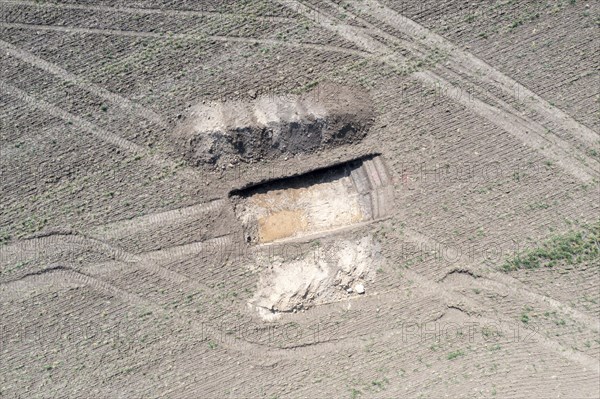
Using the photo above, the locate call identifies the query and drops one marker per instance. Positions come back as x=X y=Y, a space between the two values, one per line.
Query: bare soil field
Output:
x=299 y=199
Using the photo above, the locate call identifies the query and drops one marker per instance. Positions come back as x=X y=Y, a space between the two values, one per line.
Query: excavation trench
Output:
x=315 y=203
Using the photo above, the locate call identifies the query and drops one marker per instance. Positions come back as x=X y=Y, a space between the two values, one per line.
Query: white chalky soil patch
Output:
x=320 y=275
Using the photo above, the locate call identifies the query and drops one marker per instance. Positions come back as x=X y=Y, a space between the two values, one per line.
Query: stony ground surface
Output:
x=125 y=271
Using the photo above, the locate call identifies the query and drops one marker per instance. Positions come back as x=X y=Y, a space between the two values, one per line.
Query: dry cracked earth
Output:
x=299 y=199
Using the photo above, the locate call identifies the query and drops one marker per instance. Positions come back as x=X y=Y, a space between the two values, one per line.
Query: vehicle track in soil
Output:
x=104 y=238
x=121 y=229
x=65 y=275
x=351 y=340
x=193 y=175
x=148 y=11
x=501 y=115
x=501 y=283
x=206 y=38
x=113 y=98
x=471 y=66
x=148 y=262
x=563 y=152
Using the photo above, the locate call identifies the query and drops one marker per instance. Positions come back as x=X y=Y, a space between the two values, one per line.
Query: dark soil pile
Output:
x=269 y=127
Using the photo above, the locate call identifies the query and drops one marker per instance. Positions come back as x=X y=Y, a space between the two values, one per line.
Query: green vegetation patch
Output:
x=571 y=248
x=455 y=354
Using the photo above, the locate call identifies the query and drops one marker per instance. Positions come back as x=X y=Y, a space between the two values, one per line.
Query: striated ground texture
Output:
x=428 y=230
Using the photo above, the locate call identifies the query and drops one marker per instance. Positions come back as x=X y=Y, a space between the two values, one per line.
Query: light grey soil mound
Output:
x=328 y=273
x=272 y=126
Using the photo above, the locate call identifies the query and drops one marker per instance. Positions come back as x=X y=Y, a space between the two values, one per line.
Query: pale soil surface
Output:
x=339 y=229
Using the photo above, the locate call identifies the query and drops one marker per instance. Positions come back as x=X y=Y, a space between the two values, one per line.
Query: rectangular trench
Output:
x=320 y=201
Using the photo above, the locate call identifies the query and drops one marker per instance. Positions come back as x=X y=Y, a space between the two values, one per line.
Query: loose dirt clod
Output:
x=273 y=126
x=359 y=288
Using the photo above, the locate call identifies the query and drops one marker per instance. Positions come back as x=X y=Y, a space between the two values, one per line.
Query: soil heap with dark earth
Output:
x=274 y=126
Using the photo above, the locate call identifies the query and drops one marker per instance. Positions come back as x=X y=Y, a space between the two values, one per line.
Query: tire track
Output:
x=563 y=153
x=469 y=64
x=61 y=275
x=111 y=138
x=453 y=300
x=500 y=283
x=123 y=228
x=423 y=285
x=101 y=239
x=185 y=250
x=148 y=11
x=25 y=250
x=462 y=302
x=123 y=103
x=474 y=69
x=34 y=283
x=147 y=261
x=151 y=262
x=72 y=242
x=207 y=38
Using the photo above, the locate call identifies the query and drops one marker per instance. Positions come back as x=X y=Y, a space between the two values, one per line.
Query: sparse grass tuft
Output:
x=4 y=237
x=380 y=384
x=455 y=354
x=307 y=87
x=15 y=268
